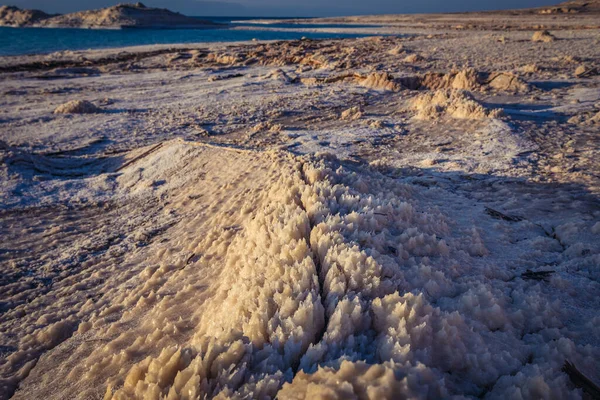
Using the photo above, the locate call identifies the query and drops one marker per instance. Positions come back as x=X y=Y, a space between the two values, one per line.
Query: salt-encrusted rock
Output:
x=77 y=107
x=507 y=81
x=543 y=36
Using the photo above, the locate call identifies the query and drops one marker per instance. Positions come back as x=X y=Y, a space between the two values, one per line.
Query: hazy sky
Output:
x=288 y=7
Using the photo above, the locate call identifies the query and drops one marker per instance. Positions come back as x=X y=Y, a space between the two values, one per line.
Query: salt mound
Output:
x=311 y=81
x=396 y=50
x=222 y=58
x=351 y=114
x=543 y=36
x=413 y=58
x=507 y=81
x=329 y=280
x=380 y=81
x=279 y=75
x=77 y=107
x=530 y=68
x=585 y=119
x=466 y=79
x=585 y=71
x=359 y=380
x=454 y=103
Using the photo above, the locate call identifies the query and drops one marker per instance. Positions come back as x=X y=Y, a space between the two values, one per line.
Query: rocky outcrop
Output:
x=127 y=16
x=120 y=16
x=15 y=17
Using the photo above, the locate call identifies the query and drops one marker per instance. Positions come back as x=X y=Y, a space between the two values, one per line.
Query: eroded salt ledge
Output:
x=297 y=277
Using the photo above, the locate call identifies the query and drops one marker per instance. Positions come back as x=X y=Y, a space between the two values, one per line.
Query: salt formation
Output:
x=543 y=36
x=362 y=381
x=530 y=68
x=413 y=58
x=589 y=118
x=222 y=58
x=292 y=277
x=351 y=114
x=77 y=107
x=507 y=82
x=397 y=50
x=279 y=75
x=453 y=103
x=380 y=81
x=585 y=71
x=466 y=79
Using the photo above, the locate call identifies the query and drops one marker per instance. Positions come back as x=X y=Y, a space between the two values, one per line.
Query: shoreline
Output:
x=332 y=32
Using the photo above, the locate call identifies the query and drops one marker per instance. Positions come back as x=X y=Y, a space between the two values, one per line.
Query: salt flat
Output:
x=413 y=215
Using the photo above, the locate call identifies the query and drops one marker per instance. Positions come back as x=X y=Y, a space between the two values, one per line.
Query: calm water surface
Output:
x=18 y=41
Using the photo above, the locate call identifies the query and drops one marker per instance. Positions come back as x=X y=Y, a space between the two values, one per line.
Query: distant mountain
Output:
x=14 y=16
x=120 y=16
x=573 y=7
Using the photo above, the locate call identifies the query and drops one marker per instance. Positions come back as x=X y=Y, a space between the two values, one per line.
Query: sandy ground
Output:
x=406 y=216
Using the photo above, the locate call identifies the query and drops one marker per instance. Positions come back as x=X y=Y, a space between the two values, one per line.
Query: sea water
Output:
x=19 y=41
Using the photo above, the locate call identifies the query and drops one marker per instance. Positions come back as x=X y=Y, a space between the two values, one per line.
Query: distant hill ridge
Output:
x=120 y=16
x=572 y=7
x=14 y=16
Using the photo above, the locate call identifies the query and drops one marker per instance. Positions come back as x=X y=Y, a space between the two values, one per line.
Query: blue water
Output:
x=18 y=41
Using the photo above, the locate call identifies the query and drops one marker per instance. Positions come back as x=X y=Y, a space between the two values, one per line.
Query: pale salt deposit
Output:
x=77 y=107
x=413 y=58
x=507 y=82
x=585 y=71
x=543 y=36
x=466 y=80
x=351 y=114
x=453 y=103
x=381 y=81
